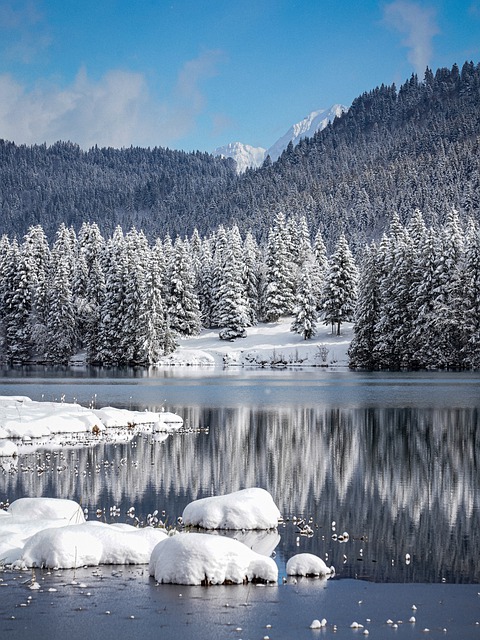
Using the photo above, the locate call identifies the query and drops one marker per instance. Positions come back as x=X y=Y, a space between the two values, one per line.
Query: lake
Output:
x=383 y=466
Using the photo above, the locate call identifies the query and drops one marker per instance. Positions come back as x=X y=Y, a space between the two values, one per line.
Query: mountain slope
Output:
x=306 y=128
x=394 y=150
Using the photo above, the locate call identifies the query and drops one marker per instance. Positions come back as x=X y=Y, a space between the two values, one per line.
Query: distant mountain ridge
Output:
x=247 y=156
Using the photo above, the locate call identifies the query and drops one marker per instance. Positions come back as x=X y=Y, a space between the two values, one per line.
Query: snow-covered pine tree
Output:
x=232 y=303
x=252 y=262
x=448 y=294
x=470 y=308
x=363 y=346
x=182 y=300
x=61 y=336
x=305 y=315
x=339 y=294
x=89 y=288
x=279 y=286
x=113 y=305
x=320 y=268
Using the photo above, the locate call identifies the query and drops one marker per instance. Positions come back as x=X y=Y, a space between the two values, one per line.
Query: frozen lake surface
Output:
x=390 y=459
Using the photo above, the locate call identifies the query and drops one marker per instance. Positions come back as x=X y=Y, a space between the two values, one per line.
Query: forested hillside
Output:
x=393 y=151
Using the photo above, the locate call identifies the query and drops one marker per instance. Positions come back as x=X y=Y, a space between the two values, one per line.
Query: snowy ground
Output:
x=266 y=345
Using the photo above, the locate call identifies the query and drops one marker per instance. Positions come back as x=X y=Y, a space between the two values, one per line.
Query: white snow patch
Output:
x=200 y=558
x=21 y=417
x=266 y=345
x=251 y=508
x=308 y=564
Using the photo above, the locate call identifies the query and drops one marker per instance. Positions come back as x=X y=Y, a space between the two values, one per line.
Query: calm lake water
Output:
x=391 y=459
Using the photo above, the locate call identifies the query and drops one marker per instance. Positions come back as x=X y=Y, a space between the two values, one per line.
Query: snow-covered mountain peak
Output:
x=306 y=128
x=244 y=155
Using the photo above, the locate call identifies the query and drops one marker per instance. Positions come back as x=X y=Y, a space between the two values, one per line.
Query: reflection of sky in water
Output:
x=398 y=478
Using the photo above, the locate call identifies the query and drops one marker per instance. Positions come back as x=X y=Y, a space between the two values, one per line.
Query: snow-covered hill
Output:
x=246 y=156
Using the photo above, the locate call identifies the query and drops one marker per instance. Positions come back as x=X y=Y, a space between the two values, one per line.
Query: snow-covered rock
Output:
x=8 y=448
x=91 y=544
x=308 y=564
x=46 y=508
x=246 y=509
x=200 y=558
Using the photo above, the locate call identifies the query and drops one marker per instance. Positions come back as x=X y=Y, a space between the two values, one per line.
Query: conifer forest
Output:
x=117 y=253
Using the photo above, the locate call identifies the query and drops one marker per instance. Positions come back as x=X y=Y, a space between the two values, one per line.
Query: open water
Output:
x=384 y=468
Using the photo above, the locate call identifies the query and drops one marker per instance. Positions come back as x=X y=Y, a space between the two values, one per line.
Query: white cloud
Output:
x=418 y=24
x=118 y=110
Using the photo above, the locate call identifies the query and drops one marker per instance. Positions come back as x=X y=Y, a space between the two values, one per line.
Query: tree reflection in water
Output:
x=399 y=481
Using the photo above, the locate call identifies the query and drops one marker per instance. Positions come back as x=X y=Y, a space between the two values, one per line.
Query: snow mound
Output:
x=200 y=558
x=246 y=509
x=91 y=544
x=307 y=564
x=52 y=532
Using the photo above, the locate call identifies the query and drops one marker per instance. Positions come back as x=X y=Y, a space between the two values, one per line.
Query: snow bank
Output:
x=246 y=509
x=266 y=345
x=200 y=558
x=23 y=418
x=307 y=564
x=52 y=532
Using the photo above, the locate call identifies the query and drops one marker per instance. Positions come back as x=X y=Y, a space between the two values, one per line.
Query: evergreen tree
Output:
x=340 y=287
x=232 y=304
x=362 y=351
x=470 y=307
x=278 y=295
x=182 y=300
x=304 y=321
x=61 y=336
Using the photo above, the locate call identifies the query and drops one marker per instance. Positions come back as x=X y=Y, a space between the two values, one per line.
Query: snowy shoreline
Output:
x=24 y=419
x=267 y=345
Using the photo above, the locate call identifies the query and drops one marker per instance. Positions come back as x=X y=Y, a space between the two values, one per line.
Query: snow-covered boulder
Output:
x=200 y=558
x=307 y=564
x=47 y=508
x=90 y=544
x=246 y=509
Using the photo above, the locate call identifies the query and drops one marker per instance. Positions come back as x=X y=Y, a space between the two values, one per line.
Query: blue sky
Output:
x=197 y=74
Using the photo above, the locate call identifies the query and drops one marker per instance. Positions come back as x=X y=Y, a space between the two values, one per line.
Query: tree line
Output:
x=125 y=301
x=122 y=300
